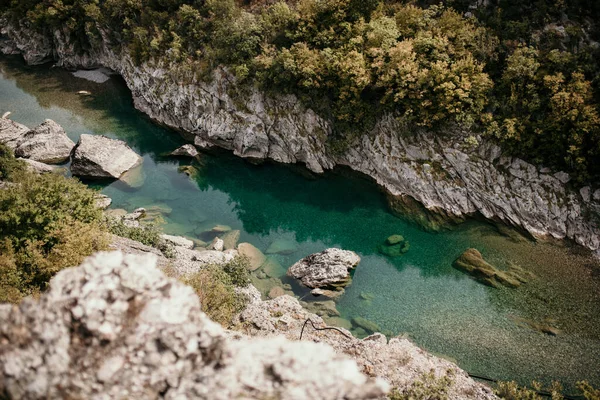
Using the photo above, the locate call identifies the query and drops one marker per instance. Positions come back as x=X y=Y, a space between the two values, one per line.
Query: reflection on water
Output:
x=418 y=294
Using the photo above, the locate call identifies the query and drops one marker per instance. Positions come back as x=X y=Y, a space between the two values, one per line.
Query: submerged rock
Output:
x=116 y=326
x=98 y=156
x=368 y=326
x=472 y=262
x=394 y=246
x=282 y=246
x=329 y=268
x=230 y=239
x=255 y=257
x=47 y=143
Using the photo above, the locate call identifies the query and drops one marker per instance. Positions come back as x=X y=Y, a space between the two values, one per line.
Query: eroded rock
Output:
x=327 y=269
x=47 y=143
x=97 y=156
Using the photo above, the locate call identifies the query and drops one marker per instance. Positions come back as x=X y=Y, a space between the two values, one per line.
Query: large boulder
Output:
x=329 y=268
x=116 y=327
x=47 y=143
x=11 y=132
x=98 y=156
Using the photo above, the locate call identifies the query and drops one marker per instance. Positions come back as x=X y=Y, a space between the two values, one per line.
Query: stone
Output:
x=332 y=294
x=187 y=150
x=273 y=268
x=394 y=239
x=276 y=292
x=255 y=257
x=562 y=176
x=47 y=143
x=323 y=308
x=39 y=167
x=116 y=327
x=327 y=269
x=394 y=246
x=220 y=228
x=97 y=156
x=186 y=261
x=135 y=177
x=366 y=296
x=11 y=132
x=102 y=201
x=230 y=239
x=368 y=326
x=471 y=262
x=178 y=241
x=216 y=244
x=282 y=246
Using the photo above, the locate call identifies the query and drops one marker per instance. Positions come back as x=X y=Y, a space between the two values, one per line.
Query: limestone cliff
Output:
x=443 y=172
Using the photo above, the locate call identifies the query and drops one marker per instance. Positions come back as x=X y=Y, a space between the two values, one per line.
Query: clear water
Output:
x=419 y=295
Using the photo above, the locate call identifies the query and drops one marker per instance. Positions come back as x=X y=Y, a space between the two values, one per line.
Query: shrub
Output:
x=9 y=165
x=427 y=388
x=216 y=291
x=148 y=234
x=47 y=223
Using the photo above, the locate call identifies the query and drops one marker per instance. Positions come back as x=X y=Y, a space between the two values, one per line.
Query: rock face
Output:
x=101 y=157
x=329 y=268
x=116 y=327
x=448 y=178
x=47 y=143
x=472 y=262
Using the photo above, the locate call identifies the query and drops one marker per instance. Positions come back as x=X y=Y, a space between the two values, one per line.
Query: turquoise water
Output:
x=418 y=295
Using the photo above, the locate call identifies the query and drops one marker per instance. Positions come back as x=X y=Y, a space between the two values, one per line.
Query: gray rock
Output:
x=217 y=244
x=11 y=132
x=329 y=268
x=47 y=143
x=101 y=157
x=38 y=167
x=116 y=327
x=187 y=150
x=103 y=201
x=178 y=241
x=230 y=239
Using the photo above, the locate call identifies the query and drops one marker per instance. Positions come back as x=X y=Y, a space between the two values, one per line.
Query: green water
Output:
x=419 y=294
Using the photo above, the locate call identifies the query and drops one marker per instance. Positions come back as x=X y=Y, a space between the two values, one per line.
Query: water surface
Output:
x=419 y=294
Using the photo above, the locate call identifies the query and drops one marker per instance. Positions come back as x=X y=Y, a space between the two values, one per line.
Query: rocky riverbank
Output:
x=116 y=326
x=450 y=176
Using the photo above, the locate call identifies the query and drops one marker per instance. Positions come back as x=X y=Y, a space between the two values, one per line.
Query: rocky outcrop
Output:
x=327 y=269
x=442 y=172
x=47 y=143
x=187 y=150
x=397 y=360
x=98 y=156
x=116 y=327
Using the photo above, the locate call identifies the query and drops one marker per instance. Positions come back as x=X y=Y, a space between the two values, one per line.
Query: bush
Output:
x=9 y=165
x=427 y=388
x=216 y=290
x=512 y=391
x=47 y=223
x=148 y=234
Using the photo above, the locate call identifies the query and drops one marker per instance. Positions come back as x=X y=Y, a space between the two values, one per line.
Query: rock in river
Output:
x=255 y=256
x=329 y=268
x=98 y=156
x=47 y=143
x=472 y=262
x=187 y=150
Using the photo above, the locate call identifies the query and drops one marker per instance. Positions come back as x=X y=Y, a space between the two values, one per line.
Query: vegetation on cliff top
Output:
x=503 y=70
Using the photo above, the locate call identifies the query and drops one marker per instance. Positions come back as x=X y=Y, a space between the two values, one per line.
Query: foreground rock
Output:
x=47 y=143
x=472 y=262
x=116 y=327
x=329 y=268
x=11 y=132
x=398 y=361
x=101 y=157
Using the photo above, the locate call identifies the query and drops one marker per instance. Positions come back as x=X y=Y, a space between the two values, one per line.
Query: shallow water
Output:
x=419 y=294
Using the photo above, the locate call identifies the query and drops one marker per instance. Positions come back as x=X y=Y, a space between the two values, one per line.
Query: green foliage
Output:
x=429 y=387
x=148 y=234
x=504 y=71
x=9 y=165
x=47 y=223
x=215 y=287
x=237 y=269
